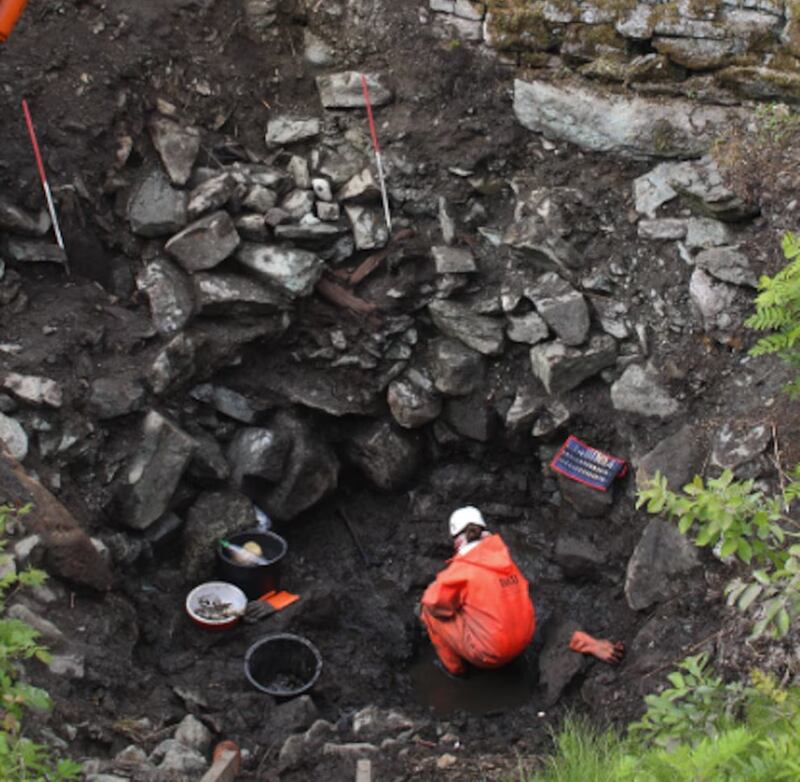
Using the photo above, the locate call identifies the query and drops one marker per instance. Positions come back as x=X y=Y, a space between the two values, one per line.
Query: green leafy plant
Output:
x=698 y=704
x=21 y=759
x=745 y=523
x=722 y=511
x=733 y=733
x=778 y=311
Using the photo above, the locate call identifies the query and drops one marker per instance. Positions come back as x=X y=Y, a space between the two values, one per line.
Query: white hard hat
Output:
x=460 y=519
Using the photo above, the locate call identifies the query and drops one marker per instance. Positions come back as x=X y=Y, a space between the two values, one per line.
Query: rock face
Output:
x=153 y=474
x=639 y=391
x=205 y=243
x=387 y=456
x=632 y=126
x=213 y=516
x=658 y=564
x=69 y=553
x=155 y=208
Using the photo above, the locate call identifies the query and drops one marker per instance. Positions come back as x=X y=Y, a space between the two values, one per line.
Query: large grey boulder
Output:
x=558 y=664
x=170 y=295
x=33 y=389
x=458 y=321
x=639 y=391
x=529 y=328
x=34 y=251
x=470 y=416
x=290 y=130
x=290 y=271
x=112 y=397
x=153 y=473
x=155 y=208
x=413 y=400
x=344 y=90
x=728 y=264
x=369 y=227
x=387 y=456
x=678 y=458
x=234 y=295
x=562 y=307
x=658 y=566
x=719 y=304
x=13 y=436
x=631 y=126
x=214 y=515
x=285 y=467
x=205 y=243
x=560 y=368
x=699 y=182
x=228 y=402
x=738 y=445
x=214 y=193
x=455 y=369
x=177 y=146
x=257 y=452
x=174 y=364
x=18 y=221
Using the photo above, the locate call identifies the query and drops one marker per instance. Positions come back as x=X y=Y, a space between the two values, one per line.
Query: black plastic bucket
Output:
x=253 y=580
x=283 y=665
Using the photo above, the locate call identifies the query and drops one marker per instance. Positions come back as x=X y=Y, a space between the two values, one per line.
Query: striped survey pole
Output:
x=379 y=161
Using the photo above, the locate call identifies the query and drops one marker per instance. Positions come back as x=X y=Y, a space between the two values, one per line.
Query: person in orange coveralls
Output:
x=479 y=611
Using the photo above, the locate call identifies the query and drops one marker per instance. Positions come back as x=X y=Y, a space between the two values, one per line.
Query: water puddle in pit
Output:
x=481 y=692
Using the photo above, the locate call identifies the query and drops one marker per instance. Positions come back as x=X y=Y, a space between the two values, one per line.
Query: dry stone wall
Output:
x=700 y=48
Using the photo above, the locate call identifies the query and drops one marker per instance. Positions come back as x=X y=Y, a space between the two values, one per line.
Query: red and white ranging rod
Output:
x=379 y=161
x=40 y=165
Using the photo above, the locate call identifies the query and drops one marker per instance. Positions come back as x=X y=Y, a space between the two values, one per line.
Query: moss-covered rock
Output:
x=585 y=42
x=653 y=68
x=697 y=54
x=607 y=68
x=519 y=27
x=762 y=83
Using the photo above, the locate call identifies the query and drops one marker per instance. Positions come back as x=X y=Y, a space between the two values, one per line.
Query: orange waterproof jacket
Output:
x=481 y=604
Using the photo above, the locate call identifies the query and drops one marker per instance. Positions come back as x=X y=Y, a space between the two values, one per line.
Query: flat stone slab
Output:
x=290 y=130
x=560 y=368
x=628 y=125
x=344 y=91
x=205 y=243
x=294 y=272
x=476 y=331
x=453 y=260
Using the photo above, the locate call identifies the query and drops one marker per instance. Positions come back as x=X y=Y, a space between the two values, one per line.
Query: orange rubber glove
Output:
x=610 y=652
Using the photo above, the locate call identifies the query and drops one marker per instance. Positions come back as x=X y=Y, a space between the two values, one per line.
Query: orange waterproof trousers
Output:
x=479 y=610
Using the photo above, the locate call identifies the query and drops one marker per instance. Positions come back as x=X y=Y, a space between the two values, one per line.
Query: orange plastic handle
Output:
x=10 y=12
